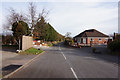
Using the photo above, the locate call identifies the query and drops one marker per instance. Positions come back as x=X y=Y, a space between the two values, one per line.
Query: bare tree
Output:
x=67 y=34
x=32 y=14
x=44 y=14
x=34 y=18
x=13 y=17
x=31 y=19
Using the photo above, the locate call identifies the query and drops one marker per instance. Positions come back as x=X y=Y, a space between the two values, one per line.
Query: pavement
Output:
x=12 y=60
x=8 y=54
x=65 y=62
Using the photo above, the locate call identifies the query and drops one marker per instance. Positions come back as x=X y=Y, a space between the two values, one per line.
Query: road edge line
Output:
x=7 y=76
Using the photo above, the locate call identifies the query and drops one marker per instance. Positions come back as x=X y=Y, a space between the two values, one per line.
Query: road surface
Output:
x=65 y=62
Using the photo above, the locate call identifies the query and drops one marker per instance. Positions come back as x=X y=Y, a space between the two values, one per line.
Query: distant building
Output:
x=91 y=36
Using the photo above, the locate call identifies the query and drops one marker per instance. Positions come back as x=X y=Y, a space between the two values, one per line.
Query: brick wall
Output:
x=27 y=42
x=97 y=41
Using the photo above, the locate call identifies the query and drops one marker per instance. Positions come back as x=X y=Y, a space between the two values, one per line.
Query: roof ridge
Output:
x=91 y=33
x=101 y=33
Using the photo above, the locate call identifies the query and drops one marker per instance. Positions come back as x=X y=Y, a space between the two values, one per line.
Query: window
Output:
x=92 y=39
x=100 y=39
x=106 y=39
x=84 y=40
x=80 y=40
x=77 y=39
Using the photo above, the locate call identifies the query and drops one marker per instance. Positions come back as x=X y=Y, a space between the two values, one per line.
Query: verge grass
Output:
x=31 y=51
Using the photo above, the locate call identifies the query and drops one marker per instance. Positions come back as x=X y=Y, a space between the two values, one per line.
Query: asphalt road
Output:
x=65 y=62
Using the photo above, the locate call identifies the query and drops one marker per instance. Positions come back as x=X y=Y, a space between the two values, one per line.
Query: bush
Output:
x=68 y=42
x=50 y=45
x=79 y=46
x=8 y=39
x=114 y=45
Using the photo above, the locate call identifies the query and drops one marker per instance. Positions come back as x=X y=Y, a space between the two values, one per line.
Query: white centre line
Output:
x=74 y=73
x=69 y=65
x=63 y=55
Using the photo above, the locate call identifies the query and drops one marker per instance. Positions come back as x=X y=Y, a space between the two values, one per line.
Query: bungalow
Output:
x=91 y=36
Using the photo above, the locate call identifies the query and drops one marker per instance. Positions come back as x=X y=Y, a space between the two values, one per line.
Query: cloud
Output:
x=60 y=0
x=76 y=18
x=0 y=17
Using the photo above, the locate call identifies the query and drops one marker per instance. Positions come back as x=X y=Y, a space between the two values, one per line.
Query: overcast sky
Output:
x=73 y=16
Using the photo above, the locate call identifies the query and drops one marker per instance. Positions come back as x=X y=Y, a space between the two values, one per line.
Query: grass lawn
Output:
x=52 y=44
x=0 y=76
x=31 y=51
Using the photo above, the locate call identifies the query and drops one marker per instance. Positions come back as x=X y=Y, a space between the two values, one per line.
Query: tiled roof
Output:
x=91 y=33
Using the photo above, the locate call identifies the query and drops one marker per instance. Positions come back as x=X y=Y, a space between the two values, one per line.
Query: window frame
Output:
x=91 y=39
x=100 y=39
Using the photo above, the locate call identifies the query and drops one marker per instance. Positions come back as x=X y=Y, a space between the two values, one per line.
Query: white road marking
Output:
x=63 y=55
x=69 y=65
x=59 y=49
x=74 y=73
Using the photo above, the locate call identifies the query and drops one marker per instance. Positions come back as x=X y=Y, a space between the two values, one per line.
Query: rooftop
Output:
x=91 y=33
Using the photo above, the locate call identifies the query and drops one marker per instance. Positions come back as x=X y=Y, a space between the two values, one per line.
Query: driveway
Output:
x=12 y=60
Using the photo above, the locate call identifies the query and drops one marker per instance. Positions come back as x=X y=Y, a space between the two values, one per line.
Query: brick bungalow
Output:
x=91 y=36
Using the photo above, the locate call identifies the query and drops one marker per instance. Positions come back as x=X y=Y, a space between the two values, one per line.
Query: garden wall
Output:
x=27 y=42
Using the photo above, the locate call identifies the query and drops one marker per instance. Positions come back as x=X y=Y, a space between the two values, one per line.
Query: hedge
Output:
x=114 y=45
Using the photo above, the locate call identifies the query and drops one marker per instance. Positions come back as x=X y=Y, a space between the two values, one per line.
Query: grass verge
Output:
x=0 y=77
x=31 y=51
x=50 y=45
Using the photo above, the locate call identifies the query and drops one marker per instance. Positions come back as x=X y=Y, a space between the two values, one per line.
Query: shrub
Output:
x=66 y=42
x=114 y=45
x=79 y=46
x=8 y=39
x=50 y=45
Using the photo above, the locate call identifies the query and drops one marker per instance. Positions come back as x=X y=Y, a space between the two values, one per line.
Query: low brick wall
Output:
x=27 y=42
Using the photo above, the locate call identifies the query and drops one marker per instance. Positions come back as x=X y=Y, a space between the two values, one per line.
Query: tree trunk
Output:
x=19 y=44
